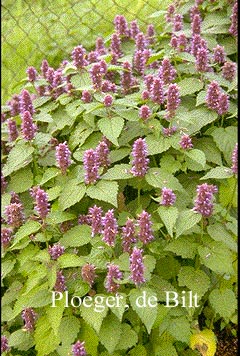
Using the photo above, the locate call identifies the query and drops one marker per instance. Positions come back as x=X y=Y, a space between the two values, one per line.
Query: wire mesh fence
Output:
x=34 y=30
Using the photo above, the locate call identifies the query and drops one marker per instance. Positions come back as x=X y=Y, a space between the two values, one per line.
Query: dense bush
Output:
x=119 y=181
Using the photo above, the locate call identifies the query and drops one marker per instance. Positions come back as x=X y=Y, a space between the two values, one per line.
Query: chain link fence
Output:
x=34 y=30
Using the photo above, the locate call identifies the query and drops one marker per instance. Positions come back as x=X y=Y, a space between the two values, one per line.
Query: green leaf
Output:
x=186 y=220
x=167 y=267
x=45 y=338
x=218 y=232
x=169 y=215
x=119 y=308
x=68 y=329
x=228 y=192
x=139 y=350
x=119 y=171
x=198 y=158
x=91 y=339
x=104 y=190
x=225 y=139
x=79 y=135
x=201 y=97
x=157 y=145
x=111 y=128
x=189 y=86
x=166 y=349
x=159 y=178
x=179 y=328
x=118 y=155
x=195 y=280
x=54 y=315
x=19 y=157
x=208 y=146
x=128 y=337
x=81 y=81
x=21 y=340
x=205 y=342
x=149 y=264
x=194 y=120
x=77 y=236
x=30 y=227
x=71 y=194
x=160 y=286
x=218 y=173
x=170 y=164
x=21 y=181
x=43 y=117
x=49 y=174
x=224 y=302
x=139 y=299
x=54 y=192
x=57 y=217
x=94 y=316
x=184 y=246
x=7 y=267
x=130 y=114
x=70 y=260
x=107 y=337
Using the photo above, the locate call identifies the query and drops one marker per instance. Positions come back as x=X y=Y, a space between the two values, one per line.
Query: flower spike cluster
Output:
x=140 y=161
x=204 y=201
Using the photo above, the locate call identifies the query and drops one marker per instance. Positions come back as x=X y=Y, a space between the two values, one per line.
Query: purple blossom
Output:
x=12 y=130
x=169 y=131
x=4 y=344
x=84 y=219
x=6 y=236
x=203 y=202
x=108 y=100
x=196 y=24
x=182 y=43
x=88 y=274
x=86 y=96
x=108 y=86
x=15 y=198
x=234 y=20
x=144 y=223
x=100 y=47
x=140 y=161
x=174 y=41
x=121 y=26
x=128 y=236
x=156 y=91
x=110 y=228
x=229 y=71
x=95 y=216
x=26 y=102
x=145 y=95
x=56 y=251
x=127 y=79
x=137 y=266
x=28 y=128
x=178 y=22
x=186 y=142
x=91 y=166
x=212 y=97
x=139 y=61
x=41 y=202
x=112 y=273
x=14 y=104
x=196 y=44
x=44 y=68
x=134 y=29
x=78 y=57
x=63 y=155
x=168 y=197
x=202 y=60
x=102 y=151
x=194 y=11
x=167 y=72
x=92 y=57
x=78 y=349
x=150 y=34
x=29 y=317
x=50 y=76
x=96 y=76
x=223 y=104
x=15 y=214
x=235 y=159
x=140 y=42
x=58 y=81
x=32 y=74
x=115 y=45
x=219 y=55
x=148 y=80
x=60 y=282
x=170 y=12
x=3 y=184
x=144 y=112
x=173 y=100
x=103 y=66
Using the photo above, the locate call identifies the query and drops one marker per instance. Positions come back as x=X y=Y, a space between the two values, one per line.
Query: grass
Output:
x=34 y=30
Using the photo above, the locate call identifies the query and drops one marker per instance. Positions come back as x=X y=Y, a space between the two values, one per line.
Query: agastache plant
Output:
x=88 y=273
x=144 y=223
x=60 y=285
x=137 y=266
x=113 y=273
x=78 y=349
x=29 y=317
x=140 y=161
x=168 y=198
x=63 y=155
x=95 y=216
x=128 y=236
x=15 y=214
x=91 y=166
x=42 y=205
x=204 y=201
x=235 y=159
x=110 y=228
x=28 y=128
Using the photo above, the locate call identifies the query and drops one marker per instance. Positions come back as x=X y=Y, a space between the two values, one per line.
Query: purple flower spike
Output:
x=41 y=202
x=174 y=41
x=60 y=283
x=3 y=184
x=78 y=349
x=182 y=43
x=78 y=57
x=229 y=71
x=128 y=236
x=110 y=228
x=194 y=11
x=6 y=236
x=115 y=45
x=170 y=12
x=196 y=44
x=234 y=20
x=56 y=251
x=186 y=142
x=150 y=34
x=169 y=131
x=134 y=29
x=102 y=151
x=108 y=100
x=15 y=214
x=86 y=96
x=140 y=161
x=100 y=47
x=203 y=202
x=173 y=100
x=63 y=155
x=121 y=26
x=219 y=55
x=140 y=42
x=235 y=159
x=127 y=79
x=29 y=317
x=96 y=73
x=14 y=104
x=168 y=197
x=223 y=104
x=156 y=91
x=178 y=22
x=26 y=102
x=144 y=112
x=28 y=128
x=139 y=61
x=202 y=60
x=144 y=223
x=167 y=72
x=212 y=98
x=44 y=68
x=12 y=130
x=95 y=216
x=137 y=266
x=4 y=344
x=32 y=74
x=196 y=24
x=145 y=95
x=113 y=273
x=88 y=274
x=91 y=166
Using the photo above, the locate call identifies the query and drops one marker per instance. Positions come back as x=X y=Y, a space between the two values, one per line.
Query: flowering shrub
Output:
x=119 y=183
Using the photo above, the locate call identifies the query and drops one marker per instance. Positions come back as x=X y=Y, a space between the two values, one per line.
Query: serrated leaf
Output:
x=169 y=217
x=128 y=337
x=179 y=328
x=201 y=97
x=54 y=314
x=49 y=174
x=119 y=171
x=225 y=139
x=119 y=308
x=196 y=119
x=195 y=280
x=104 y=190
x=208 y=146
x=118 y=155
x=130 y=114
x=166 y=349
x=184 y=246
x=149 y=264
x=72 y=325
x=77 y=236
x=111 y=128
x=93 y=317
x=197 y=156
x=30 y=227
x=156 y=146
x=71 y=194
x=186 y=220
x=189 y=86
x=46 y=340
x=170 y=164
x=228 y=192
x=218 y=232
x=224 y=302
x=43 y=117
x=57 y=217
x=70 y=260
x=19 y=157
x=139 y=302
x=90 y=337
x=107 y=337
x=21 y=181
x=81 y=81
x=21 y=340
x=54 y=192
x=205 y=342
x=159 y=178
x=139 y=350
x=218 y=173
x=160 y=286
